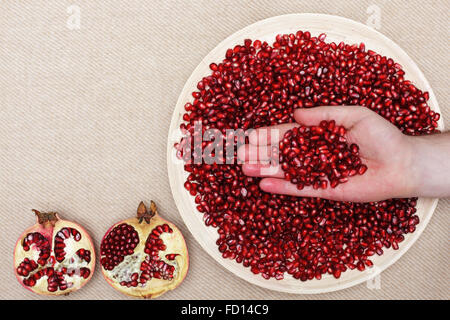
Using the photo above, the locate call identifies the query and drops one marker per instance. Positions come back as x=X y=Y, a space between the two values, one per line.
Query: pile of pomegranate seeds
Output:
x=316 y=155
x=258 y=84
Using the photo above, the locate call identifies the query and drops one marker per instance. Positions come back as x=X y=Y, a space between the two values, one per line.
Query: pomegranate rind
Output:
x=49 y=231
x=175 y=244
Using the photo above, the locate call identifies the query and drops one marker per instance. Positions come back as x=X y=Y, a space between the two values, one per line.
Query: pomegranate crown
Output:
x=45 y=217
x=143 y=214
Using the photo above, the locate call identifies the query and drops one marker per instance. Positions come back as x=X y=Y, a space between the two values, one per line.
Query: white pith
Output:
x=132 y=264
x=71 y=260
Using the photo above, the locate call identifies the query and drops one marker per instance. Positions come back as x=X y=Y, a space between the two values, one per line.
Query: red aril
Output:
x=54 y=256
x=144 y=256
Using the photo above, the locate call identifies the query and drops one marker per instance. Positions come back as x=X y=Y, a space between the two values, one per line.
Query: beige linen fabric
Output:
x=84 y=116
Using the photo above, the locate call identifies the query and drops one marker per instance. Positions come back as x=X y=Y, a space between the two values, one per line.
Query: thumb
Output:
x=346 y=116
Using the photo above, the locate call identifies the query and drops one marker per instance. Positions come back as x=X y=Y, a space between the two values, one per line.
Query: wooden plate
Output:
x=337 y=29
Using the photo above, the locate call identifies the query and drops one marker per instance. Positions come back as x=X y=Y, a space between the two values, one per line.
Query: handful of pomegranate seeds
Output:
x=316 y=155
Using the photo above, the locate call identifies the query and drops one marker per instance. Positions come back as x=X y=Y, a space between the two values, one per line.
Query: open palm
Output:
x=383 y=148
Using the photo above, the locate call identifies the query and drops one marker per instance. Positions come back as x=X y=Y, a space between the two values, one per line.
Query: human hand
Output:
x=385 y=150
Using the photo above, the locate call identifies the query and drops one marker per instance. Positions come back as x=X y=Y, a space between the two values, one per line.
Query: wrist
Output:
x=414 y=166
x=429 y=168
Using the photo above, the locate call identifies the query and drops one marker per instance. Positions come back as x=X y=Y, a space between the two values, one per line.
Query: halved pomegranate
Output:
x=54 y=256
x=144 y=256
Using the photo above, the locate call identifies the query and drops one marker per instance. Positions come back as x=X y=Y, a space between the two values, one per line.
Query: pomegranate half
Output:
x=144 y=256
x=54 y=256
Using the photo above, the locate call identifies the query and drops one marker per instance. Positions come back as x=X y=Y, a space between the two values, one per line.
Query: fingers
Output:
x=346 y=116
x=259 y=162
x=269 y=135
x=258 y=153
x=356 y=190
x=253 y=154
x=262 y=170
x=281 y=186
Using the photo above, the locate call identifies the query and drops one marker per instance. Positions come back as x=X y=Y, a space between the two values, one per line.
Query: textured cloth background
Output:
x=84 y=116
